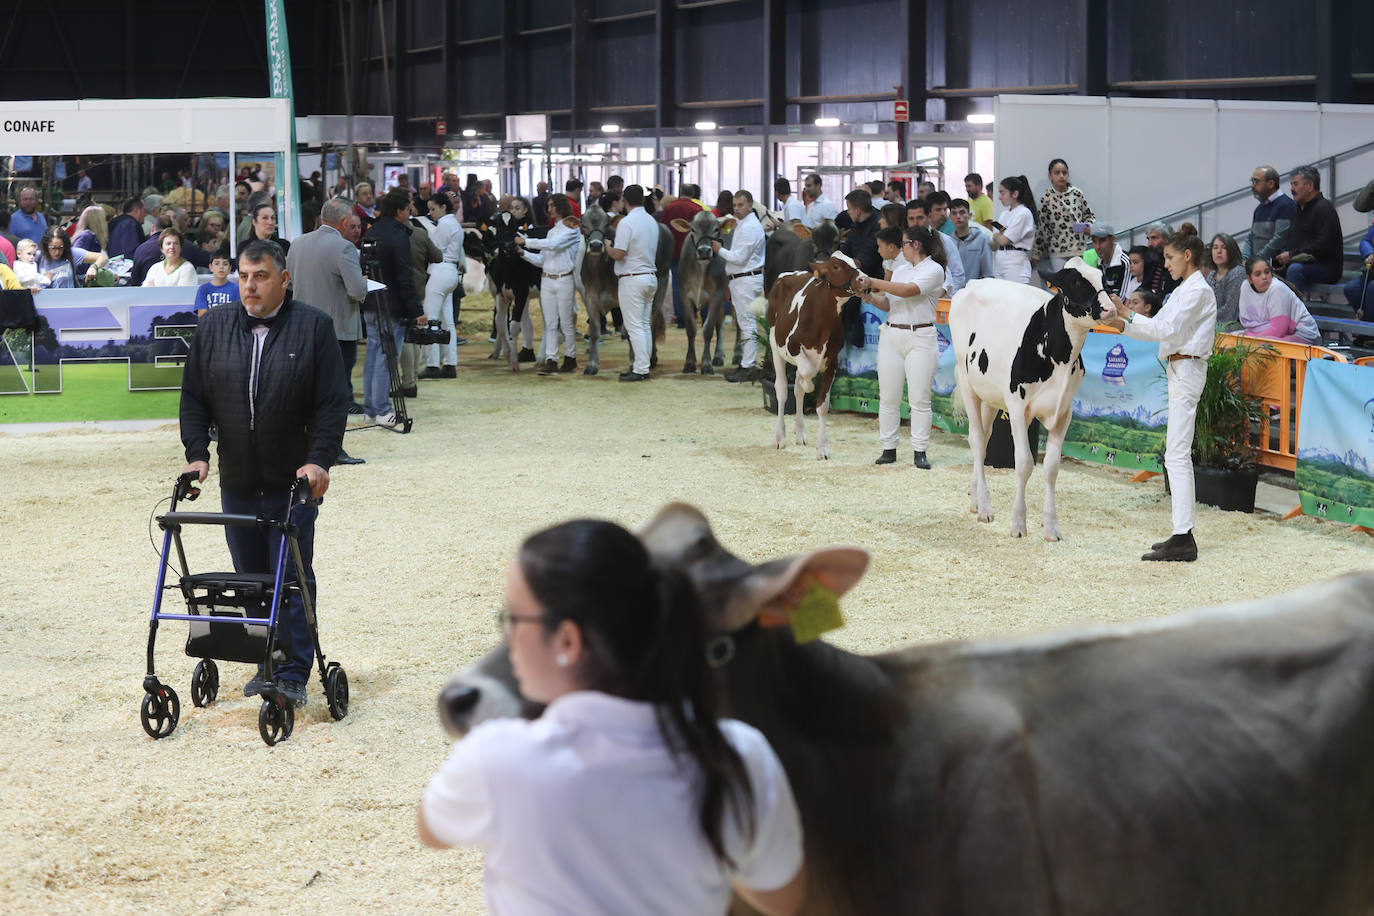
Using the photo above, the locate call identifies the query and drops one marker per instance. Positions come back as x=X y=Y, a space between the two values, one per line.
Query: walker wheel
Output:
x=276 y=719
x=204 y=683
x=160 y=712
x=336 y=691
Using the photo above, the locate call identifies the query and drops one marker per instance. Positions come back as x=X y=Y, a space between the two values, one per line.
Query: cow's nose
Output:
x=455 y=702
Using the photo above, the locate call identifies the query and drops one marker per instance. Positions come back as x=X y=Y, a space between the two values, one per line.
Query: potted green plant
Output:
x=1224 y=468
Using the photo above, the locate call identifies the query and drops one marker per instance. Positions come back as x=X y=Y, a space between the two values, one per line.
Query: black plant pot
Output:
x=1232 y=489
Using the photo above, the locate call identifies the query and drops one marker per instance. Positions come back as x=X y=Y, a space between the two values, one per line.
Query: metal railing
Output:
x=1230 y=212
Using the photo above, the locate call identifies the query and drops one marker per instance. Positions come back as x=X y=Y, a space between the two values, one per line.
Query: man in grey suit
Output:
x=324 y=270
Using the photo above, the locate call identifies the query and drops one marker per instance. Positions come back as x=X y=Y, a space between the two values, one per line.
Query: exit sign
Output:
x=440 y=127
x=900 y=110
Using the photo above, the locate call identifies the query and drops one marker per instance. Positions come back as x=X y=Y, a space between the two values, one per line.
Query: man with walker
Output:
x=270 y=376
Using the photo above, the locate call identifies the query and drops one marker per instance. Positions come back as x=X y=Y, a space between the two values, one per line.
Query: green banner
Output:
x=279 y=79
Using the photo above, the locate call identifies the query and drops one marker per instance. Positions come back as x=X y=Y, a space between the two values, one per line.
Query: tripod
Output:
x=386 y=332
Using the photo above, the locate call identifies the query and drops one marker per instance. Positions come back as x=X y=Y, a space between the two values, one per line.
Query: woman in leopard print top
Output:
x=1061 y=232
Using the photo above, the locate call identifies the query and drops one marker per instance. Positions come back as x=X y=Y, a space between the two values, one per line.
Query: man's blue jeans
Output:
x=1304 y=276
x=255 y=550
x=376 y=375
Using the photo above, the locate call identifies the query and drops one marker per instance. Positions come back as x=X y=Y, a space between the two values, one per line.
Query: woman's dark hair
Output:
x=1190 y=242
x=60 y=234
x=1054 y=162
x=645 y=638
x=1251 y=262
x=608 y=199
x=1152 y=300
x=1232 y=250
x=442 y=200
x=1018 y=185
x=894 y=215
x=561 y=205
x=889 y=234
x=725 y=201
x=170 y=233
x=471 y=184
x=931 y=246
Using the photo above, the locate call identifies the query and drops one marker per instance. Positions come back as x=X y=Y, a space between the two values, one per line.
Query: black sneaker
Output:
x=431 y=372
x=450 y=371
x=256 y=685
x=634 y=376
x=355 y=409
x=526 y=355
x=292 y=690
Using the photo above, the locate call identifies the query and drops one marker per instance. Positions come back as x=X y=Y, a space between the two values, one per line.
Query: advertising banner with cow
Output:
x=1120 y=411
x=1335 y=472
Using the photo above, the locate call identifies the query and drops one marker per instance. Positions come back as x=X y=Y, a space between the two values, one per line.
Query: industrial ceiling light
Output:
x=469 y=132
x=827 y=122
x=610 y=128
x=706 y=125
x=982 y=119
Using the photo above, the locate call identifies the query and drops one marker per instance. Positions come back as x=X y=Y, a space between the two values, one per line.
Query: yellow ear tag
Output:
x=818 y=612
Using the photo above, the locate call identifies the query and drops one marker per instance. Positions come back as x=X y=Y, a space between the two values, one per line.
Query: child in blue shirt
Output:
x=219 y=291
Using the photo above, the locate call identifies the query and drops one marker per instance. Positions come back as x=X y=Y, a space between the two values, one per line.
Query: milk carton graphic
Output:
x=1114 y=373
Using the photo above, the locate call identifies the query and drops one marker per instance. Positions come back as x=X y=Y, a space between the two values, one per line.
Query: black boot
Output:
x=1179 y=548
x=921 y=461
x=889 y=456
x=526 y=355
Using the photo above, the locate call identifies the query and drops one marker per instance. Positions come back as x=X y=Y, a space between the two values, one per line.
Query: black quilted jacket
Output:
x=297 y=414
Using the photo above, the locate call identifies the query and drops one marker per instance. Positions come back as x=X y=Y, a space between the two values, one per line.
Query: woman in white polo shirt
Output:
x=908 y=349
x=628 y=795
x=1016 y=237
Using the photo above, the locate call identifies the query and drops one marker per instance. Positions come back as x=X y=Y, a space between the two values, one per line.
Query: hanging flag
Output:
x=279 y=79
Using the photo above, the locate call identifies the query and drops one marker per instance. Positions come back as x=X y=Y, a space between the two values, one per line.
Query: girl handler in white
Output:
x=1016 y=238
x=908 y=349
x=558 y=261
x=1185 y=327
x=628 y=795
x=444 y=279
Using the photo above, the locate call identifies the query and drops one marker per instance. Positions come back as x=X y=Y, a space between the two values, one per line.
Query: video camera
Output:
x=369 y=260
x=430 y=333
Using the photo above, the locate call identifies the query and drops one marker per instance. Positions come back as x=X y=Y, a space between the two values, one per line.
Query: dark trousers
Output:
x=349 y=348
x=255 y=550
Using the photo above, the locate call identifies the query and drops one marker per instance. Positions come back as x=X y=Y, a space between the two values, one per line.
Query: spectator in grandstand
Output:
x=92 y=234
x=1061 y=226
x=174 y=270
x=1226 y=278
x=938 y=208
x=1114 y=263
x=895 y=192
x=364 y=205
x=1315 y=250
x=1357 y=290
x=27 y=222
x=979 y=204
x=1270 y=309
x=818 y=206
x=58 y=260
x=974 y=243
x=26 y=266
x=1014 y=227
x=8 y=255
x=264 y=226
x=1273 y=216
x=923 y=189
x=126 y=229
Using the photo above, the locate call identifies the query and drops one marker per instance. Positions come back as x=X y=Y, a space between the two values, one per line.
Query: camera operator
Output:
x=391 y=233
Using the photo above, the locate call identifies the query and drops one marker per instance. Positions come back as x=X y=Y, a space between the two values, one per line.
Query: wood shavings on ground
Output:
x=411 y=553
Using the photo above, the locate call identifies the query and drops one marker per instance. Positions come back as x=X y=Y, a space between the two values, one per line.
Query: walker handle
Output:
x=186 y=487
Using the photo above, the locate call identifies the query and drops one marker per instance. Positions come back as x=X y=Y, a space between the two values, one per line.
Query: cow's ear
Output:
x=616 y=222
x=572 y=222
x=727 y=224
x=772 y=592
x=801 y=231
x=681 y=225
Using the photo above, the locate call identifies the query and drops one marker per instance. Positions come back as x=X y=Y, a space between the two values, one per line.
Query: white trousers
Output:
x=909 y=357
x=443 y=280
x=743 y=292
x=560 y=316
x=1013 y=266
x=636 y=308
x=1186 y=378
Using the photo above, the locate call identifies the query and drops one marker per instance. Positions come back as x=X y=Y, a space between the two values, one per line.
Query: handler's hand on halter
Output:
x=318 y=477
x=200 y=468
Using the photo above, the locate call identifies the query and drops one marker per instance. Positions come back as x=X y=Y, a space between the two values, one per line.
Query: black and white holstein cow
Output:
x=511 y=278
x=1219 y=761
x=701 y=278
x=1020 y=348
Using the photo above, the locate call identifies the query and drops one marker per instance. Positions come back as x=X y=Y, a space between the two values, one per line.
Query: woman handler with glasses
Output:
x=628 y=795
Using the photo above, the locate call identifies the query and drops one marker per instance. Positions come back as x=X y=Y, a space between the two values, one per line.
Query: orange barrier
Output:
x=1278 y=384
x=1365 y=361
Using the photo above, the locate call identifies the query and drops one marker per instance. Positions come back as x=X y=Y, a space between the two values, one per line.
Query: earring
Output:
x=561 y=660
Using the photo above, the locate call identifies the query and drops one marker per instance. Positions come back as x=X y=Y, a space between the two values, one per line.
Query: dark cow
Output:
x=1019 y=348
x=701 y=277
x=796 y=247
x=804 y=329
x=1218 y=761
x=511 y=278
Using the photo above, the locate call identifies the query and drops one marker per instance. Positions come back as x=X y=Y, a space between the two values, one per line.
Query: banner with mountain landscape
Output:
x=1335 y=472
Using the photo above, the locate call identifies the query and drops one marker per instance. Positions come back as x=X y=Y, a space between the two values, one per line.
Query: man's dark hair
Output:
x=916 y=204
x=749 y=198
x=262 y=250
x=814 y=178
x=896 y=185
x=937 y=197
x=572 y=185
x=875 y=188
x=958 y=202
x=890 y=235
x=782 y=186
x=975 y=178
x=691 y=190
x=634 y=195
x=223 y=255
x=245 y=184
x=860 y=198
x=393 y=202
x=615 y=183
x=131 y=204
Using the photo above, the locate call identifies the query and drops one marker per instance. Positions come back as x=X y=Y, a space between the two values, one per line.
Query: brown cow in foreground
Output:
x=1219 y=761
x=804 y=329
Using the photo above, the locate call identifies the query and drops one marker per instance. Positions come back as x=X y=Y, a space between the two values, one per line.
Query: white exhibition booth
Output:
x=1138 y=159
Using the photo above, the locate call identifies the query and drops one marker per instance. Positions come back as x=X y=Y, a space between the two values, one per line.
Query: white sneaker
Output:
x=387 y=419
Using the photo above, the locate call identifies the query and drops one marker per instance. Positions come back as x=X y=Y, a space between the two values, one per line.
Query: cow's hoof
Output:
x=984 y=516
x=1018 y=532
x=494 y=356
x=718 y=361
x=590 y=370
x=707 y=369
x=1053 y=536
x=689 y=368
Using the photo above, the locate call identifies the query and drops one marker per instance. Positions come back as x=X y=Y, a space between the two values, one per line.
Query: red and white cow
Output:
x=1020 y=348
x=804 y=329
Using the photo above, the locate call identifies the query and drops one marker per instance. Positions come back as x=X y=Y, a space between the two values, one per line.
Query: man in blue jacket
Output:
x=269 y=374
x=1273 y=216
x=392 y=235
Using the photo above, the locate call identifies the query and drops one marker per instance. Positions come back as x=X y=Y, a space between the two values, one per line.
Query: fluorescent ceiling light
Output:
x=610 y=128
x=827 y=122
x=706 y=125
x=469 y=132
x=982 y=119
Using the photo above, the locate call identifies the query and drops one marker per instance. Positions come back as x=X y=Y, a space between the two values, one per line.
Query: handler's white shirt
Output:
x=559 y=250
x=585 y=811
x=637 y=236
x=930 y=277
x=794 y=209
x=1186 y=323
x=447 y=236
x=1020 y=231
x=746 y=248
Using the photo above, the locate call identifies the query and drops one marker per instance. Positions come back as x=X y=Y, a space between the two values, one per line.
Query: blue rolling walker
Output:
x=234 y=617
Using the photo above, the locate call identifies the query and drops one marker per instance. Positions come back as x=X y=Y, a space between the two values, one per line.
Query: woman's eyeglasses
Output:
x=507 y=619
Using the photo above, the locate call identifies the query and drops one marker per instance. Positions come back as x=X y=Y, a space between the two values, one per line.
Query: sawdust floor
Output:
x=410 y=554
